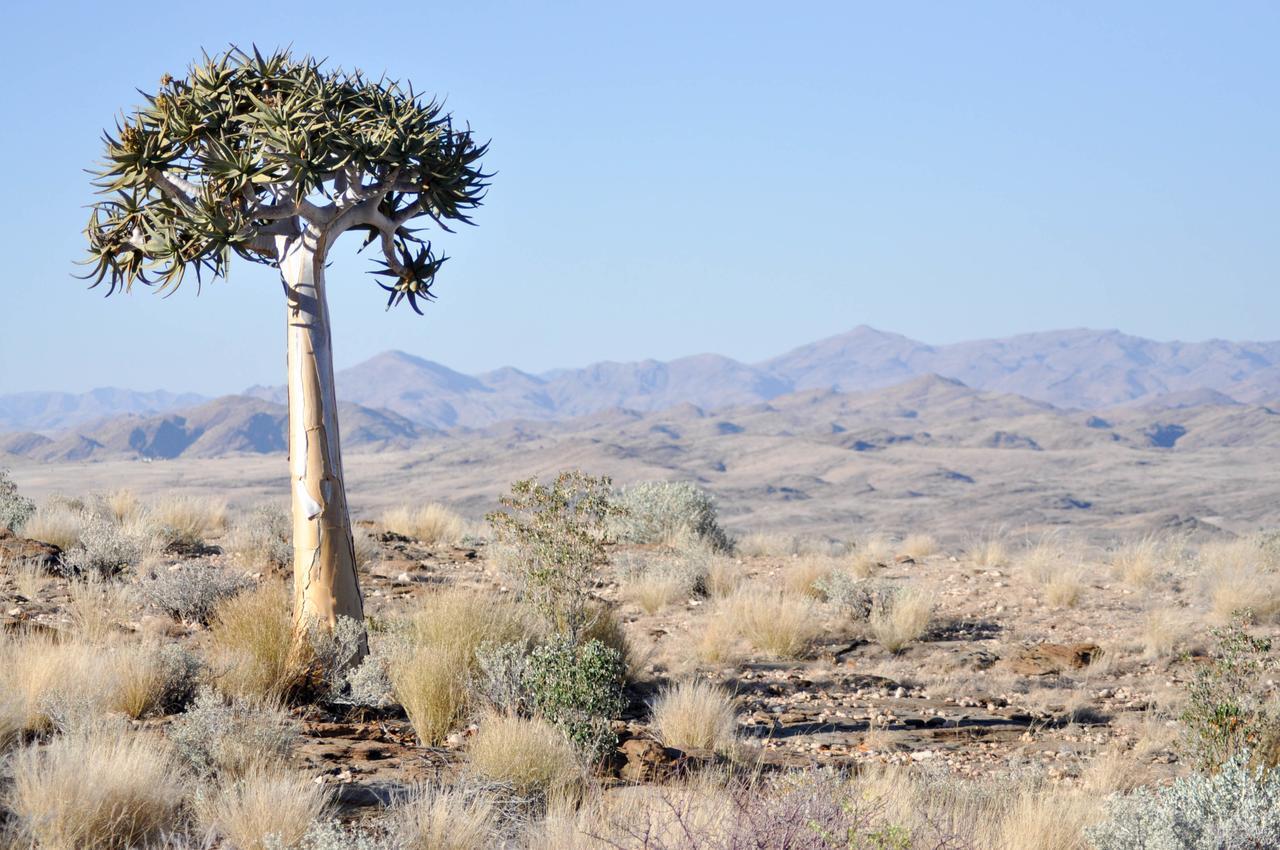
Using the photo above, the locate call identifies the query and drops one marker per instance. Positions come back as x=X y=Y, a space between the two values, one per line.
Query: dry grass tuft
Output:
x=918 y=546
x=98 y=607
x=96 y=789
x=530 y=756
x=58 y=523
x=253 y=649
x=724 y=574
x=718 y=641
x=267 y=808
x=431 y=683
x=188 y=520
x=696 y=715
x=803 y=572
x=122 y=505
x=1040 y=819
x=1161 y=631
x=870 y=554
x=28 y=577
x=1138 y=562
x=903 y=619
x=989 y=551
x=430 y=524
x=445 y=819
x=780 y=624
x=261 y=540
x=760 y=544
x=1063 y=590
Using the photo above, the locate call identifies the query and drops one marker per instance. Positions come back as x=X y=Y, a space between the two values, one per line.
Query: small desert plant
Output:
x=1064 y=588
x=803 y=574
x=763 y=544
x=667 y=512
x=121 y=505
x=220 y=735
x=918 y=546
x=191 y=591
x=28 y=577
x=718 y=641
x=559 y=532
x=185 y=521
x=149 y=678
x=431 y=524
x=870 y=554
x=578 y=688
x=261 y=540
x=106 y=547
x=252 y=645
x=98 y=607
x=1139 y=561
x=696 y=715
x=431 y=682
x=463 y=620
x=656 y=581
x=724 y=574
x=1161 y=630
x=901 y=618
x=15 y=509
x=445 y=819
x=989 y=550
x=1237 y=806
x=780 y=624
x=56 y=522
x=1227 y=709
x=527 y=754
x=268 y=807
x=96 y=789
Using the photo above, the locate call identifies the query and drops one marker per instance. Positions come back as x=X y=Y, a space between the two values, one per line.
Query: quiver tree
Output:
x=272 y=159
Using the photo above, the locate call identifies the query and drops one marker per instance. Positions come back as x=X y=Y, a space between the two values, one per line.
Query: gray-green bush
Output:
x=1236 y=808
x=15 y=509
x=190 y=591
x=220 y=735
x=658 y=511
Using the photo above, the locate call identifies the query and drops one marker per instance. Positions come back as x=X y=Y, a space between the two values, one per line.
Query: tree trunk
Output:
x=324 y=567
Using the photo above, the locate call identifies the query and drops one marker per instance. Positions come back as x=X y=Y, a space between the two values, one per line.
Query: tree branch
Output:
x=175 y=188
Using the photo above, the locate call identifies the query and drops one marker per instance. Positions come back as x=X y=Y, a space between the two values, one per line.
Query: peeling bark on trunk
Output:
x=324 y=567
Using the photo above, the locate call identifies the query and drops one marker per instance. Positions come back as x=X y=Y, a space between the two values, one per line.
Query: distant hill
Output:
x=224 y=426
x=54 y=411
x=1070 y=369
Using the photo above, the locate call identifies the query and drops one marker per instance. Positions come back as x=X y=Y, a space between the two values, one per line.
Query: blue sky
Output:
x=680 y=178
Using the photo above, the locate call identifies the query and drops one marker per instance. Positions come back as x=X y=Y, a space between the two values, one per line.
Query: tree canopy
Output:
x=249 y=148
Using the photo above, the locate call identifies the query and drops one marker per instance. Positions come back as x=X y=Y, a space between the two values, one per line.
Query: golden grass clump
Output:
x=718 y=641
x=1063 y=590
x=918 y=546
x=780 y=624
x=654 y=590
x=761 y=544
x=989 y=551
x=1041 y=819
x=530 y=755
x=267 y=808
x=96 y=789
x=1139 y=561
x=98 y=607
x=56 y=522
x=431 y=671
x=253 y=649
x=431 y=524
x=903 y=619
x=28 y=577
x=871 y=553
x=696 y=715
x=724 y=574
x=187 y=520
x=803 y=572
x=445 y=819
x=431 y=683
x=122 y=505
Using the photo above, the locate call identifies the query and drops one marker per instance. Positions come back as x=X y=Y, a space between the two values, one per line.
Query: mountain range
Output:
x=395 y=399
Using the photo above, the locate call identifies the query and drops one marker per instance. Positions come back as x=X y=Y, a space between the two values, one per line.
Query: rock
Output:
x=1049 y=658
x=646 y=760
x=14 y=548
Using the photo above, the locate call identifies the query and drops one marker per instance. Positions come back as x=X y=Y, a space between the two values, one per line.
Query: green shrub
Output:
x=578 y=688
x=558 y=533
x=1227 y=708
x=662 y=511
x=15 y=509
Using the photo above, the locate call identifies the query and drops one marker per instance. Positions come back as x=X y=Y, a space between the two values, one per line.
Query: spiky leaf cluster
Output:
x=247 y=148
